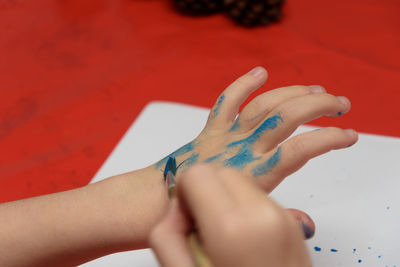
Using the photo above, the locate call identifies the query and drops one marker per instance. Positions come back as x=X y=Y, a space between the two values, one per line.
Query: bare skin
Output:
x=241 y=228
x=117 y=214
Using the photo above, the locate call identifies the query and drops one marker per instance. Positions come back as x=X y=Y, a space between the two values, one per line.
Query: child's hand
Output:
x=241 y=228
x=254 y=142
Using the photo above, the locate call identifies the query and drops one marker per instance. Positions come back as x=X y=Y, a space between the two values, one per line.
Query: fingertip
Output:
x=353 y=135
x=317 y=89
x=306 y=223
x=259 y=72
x=345 y=102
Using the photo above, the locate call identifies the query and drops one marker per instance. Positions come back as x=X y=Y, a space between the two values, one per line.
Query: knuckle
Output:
x=298 y=146
x=259 y=101
x=330 y=98
x=232 y=228
x=245 y=81
x=300 y=88
x=335 y=132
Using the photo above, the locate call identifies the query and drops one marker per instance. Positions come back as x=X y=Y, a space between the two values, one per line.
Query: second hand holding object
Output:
x=199 y=255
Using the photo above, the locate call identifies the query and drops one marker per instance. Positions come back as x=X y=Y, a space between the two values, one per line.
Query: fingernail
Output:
x=344 y=100
x=307 y=230
x=257 y=72
x=351 y=133
x=317 y=89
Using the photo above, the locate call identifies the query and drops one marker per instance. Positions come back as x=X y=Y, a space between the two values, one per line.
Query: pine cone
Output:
x=199 y=7
x=254 y=12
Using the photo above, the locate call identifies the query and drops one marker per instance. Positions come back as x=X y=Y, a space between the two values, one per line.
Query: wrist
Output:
x=133 y=203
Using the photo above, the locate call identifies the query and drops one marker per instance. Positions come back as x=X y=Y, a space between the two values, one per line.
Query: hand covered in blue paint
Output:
x=242 y=227
x=255 y=141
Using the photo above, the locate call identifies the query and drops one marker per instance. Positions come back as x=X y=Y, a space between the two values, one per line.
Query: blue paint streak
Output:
x=268 y=165
x=236 y=126
x=334 y=250
x=213 y=158
x=181 y=151
x=218 y=105
x=317 y=249
x=191 y=160
x=269 y=124
x=170 y=166
x=242 y=158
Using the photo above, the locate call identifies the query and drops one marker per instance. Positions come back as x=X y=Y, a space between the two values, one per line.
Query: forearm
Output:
x=75 y=226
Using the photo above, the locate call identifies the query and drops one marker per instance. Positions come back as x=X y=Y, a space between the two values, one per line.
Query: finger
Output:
x=296 y=151
x=291 y=114
x=260 y=106
x=169 y=239
x=305 y=222
x=227 y=106
x=197 y=189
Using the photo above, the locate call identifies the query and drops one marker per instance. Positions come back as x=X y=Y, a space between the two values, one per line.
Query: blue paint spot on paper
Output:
x=268 y=165
x=242 y=158
x=354 y=250
x=334 y=250
x=236 y=125
x=181 y=151
x=213 y=158
x=318 y=249
x=359 y=261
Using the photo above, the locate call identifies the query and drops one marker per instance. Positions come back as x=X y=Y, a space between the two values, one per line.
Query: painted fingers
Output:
x=297 y=151
x=227 y=105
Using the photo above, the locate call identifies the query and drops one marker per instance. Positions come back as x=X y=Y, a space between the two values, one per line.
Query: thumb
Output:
x=306 y=223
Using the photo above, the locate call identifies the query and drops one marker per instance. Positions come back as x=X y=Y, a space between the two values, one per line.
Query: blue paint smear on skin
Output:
x=308 y=232
x=242 y=158
x=236 y=126
x=218 y=105
x=190 y=160
x=245 y=155
x=334 y=250
x=181 y=151
x=213 y=158
x=317 y=249
x=268 y=165
x=269 y=124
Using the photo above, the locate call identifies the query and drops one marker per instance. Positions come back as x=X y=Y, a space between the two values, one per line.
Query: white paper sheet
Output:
x=352 y=194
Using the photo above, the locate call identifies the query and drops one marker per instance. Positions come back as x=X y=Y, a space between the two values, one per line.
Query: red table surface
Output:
x=75 y=74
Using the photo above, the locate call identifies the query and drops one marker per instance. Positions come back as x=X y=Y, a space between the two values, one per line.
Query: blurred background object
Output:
x=247 y=13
